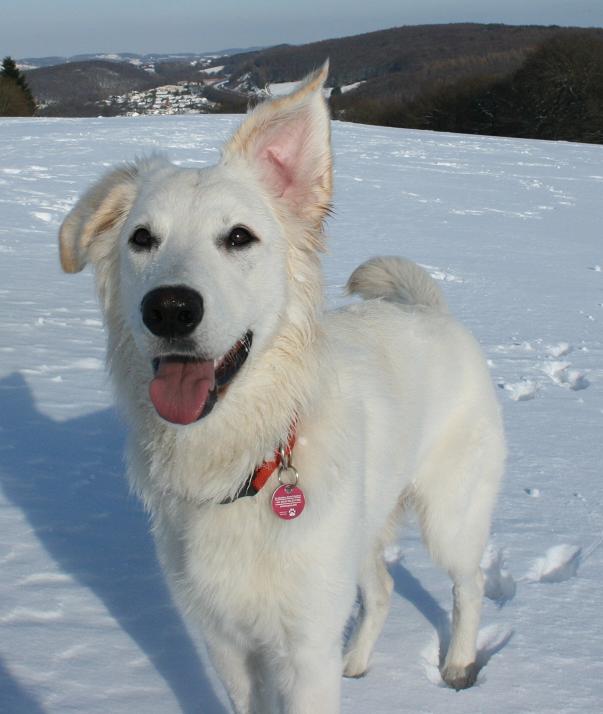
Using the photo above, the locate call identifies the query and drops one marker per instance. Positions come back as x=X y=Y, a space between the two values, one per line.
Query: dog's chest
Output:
x=238 y=570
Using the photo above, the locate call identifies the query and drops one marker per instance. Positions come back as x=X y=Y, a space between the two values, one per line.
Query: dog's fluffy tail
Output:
x=396 y=280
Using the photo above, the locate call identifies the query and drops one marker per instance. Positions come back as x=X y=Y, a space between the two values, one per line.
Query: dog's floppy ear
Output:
x=99 y=210
x=287 y=141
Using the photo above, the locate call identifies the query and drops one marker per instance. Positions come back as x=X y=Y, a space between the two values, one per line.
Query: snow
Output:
x=349 y=87
x=212 y=70
x=281 y=89
x=512 y=230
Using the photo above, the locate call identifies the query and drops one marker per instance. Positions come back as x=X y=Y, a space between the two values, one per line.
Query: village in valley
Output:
x=180 y=98
x=185 y=97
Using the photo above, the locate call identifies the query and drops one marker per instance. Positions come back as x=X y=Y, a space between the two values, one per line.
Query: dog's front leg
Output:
x=316 y=685
x=250 y=677
x=231 y=662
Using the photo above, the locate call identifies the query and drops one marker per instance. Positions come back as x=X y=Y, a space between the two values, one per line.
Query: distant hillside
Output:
x=401 y=60
x=132 y=57
x=396 y=64
x=74 y=89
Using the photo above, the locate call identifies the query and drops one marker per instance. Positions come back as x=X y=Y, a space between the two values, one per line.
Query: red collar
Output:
x=264 y=471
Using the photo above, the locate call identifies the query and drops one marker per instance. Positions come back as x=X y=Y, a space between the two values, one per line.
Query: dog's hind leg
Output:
x=460 y=668
x=376 y=587
x=454 y=495
x=458 y=554
x=454 y=498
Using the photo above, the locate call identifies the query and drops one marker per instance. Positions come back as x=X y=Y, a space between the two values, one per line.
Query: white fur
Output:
x=392 y=400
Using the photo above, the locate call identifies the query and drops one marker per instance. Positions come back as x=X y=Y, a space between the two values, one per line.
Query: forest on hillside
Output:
x=556 y=93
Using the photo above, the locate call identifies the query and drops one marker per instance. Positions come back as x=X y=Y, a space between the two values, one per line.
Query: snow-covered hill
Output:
x=512 y=228
x=150 y=59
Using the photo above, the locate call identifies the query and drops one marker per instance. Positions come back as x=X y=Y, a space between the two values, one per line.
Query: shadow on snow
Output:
x=67 y=478
x=14 y=697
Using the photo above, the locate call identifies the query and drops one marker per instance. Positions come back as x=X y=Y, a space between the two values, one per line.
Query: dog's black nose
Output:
x=172 y=311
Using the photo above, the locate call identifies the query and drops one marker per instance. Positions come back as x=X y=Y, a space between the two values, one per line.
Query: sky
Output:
x=38 y=28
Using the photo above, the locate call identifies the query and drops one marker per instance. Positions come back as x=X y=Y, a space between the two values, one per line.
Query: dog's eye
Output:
x=141 y=239
x=239 y=237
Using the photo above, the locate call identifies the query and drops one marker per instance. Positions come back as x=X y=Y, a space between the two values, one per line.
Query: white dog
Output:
x=246 y=403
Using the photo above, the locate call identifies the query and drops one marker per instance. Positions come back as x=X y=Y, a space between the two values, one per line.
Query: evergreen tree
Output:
x=11 y=72
x=13 y=102
x=10 y=69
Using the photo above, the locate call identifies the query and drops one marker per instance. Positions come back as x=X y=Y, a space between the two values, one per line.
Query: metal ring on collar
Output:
x=285 y=457
x=284 y=469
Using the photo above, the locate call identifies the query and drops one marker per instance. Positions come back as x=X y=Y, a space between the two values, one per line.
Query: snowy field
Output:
x=512 y=228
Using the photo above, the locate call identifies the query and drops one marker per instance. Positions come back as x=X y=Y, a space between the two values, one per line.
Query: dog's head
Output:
x=198 y=260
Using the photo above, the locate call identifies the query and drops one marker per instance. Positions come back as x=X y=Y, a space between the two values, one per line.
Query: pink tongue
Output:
x=180 y=389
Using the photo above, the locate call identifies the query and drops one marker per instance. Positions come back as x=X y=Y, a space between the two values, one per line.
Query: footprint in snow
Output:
x=532 y=492
x=560 y=563
x=561 y=374
x=442 y=275
x=392 y=554
x=523 y=346
x=559 y=350
x=520 y=391
x=499 y=584
x=43 y=216
x=491 y=640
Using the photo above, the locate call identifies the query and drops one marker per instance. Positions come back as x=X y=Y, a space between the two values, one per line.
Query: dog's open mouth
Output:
x=186 y=388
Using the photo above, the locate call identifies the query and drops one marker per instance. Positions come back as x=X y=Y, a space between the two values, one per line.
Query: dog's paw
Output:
x=355 y=664
x=460 y=676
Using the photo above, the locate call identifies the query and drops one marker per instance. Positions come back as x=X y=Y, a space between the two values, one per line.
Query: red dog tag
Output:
x=288 y=501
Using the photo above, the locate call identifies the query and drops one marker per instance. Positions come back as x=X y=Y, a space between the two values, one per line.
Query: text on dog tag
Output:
x=288 y=501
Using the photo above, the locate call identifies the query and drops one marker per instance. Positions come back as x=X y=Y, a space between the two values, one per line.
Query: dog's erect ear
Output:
x=99 y=210
x=287 y=141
